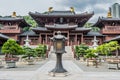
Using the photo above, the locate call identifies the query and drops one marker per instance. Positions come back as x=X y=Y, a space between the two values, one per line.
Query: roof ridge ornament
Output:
x=14 y=14
x=50 y=9
x=109 y=15
x=72 y=9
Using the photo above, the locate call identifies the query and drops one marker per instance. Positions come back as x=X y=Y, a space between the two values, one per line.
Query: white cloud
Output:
x=22 y=7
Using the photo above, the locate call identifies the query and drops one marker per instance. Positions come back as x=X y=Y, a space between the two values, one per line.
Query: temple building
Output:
x=12 y=26
x=109 y=26
x=68 y=22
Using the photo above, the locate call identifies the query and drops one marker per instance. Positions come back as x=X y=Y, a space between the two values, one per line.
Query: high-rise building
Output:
x=115 y=10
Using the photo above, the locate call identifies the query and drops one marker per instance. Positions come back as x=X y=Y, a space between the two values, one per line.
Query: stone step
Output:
x=66 y=56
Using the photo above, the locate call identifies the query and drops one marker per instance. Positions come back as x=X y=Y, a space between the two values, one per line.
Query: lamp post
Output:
x=58 y=49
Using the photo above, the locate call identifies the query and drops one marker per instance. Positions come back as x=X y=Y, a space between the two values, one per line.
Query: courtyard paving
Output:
x=77 y=70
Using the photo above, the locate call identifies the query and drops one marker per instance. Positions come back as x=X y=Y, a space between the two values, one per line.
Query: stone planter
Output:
x=30 y=61
x=10 y=64
x=12 y=59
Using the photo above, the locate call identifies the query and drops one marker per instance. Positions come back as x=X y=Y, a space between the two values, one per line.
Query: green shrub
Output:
x=91 y=53
x=11 y=48
x=29 y=52
x=80 y=50
x=41 y=50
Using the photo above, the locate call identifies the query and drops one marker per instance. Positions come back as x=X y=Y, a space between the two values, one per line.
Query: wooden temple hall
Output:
x=68 y=22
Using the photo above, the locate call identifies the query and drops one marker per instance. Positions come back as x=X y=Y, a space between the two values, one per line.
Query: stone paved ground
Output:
x=76 y=71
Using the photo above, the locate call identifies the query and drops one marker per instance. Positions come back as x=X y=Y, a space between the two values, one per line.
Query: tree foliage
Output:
x=41 y=50
x=11 y=47
x=30 y=21
x=91 y=53
x=29 y=52
x=107 y=48
x=89 y=25
x=80 y=50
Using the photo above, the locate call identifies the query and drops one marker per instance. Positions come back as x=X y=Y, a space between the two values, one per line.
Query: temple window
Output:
x=87 y=41
x=61 y=20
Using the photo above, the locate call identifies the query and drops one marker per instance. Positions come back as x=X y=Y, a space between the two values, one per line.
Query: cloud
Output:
x=100 y=7
x=22 y=7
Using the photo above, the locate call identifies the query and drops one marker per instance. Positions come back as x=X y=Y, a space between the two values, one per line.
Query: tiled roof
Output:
x=40 y=28
x=94 y=33
x=19 y=19
x=113 y=39
x=3 y=36
x=29 y=33
x=101 y=19
x=110 y=19
x=9 y=19
x=60 y=13
x=82 y=29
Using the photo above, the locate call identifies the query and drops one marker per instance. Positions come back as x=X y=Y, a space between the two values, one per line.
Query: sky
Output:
x=23 y=7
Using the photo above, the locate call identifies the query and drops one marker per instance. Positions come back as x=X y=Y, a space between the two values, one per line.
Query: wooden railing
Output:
x=10 y=31
x=112 y=31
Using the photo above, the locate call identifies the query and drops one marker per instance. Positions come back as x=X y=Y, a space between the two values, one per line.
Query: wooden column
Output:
x=68 y=38
x=75 y=39
x=81 y=38
x=40 y=38
x=46 y=39
x=53 y=33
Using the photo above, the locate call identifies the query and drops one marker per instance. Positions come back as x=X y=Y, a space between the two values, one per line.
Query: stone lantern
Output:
x=59 y=49
x=27 y=41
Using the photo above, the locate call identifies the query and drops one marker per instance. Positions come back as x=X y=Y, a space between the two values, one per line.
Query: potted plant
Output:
x=11 y=49
x=80 y=50
x=41 y=51
x=91 y=56
x=29 y=54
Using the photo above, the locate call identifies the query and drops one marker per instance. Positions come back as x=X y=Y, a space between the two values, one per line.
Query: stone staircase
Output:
x=66 y=56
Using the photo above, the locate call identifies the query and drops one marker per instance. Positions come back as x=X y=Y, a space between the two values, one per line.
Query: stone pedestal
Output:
x=58 y=70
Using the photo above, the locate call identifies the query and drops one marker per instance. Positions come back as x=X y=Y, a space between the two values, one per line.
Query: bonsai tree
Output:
x=91 y=53
x=41 y=50
x=80 y=50
x=107 y=48
x=11 y=48
x=29 y=53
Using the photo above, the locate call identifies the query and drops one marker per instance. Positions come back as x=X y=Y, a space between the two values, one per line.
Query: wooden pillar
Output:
x=75 y=39
x=81 y=38
x=67 y=20
x=40 y=39
x=54 y=20
x=22 y=41
x=53 y=33
x=68 y=38
x=46 y=39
